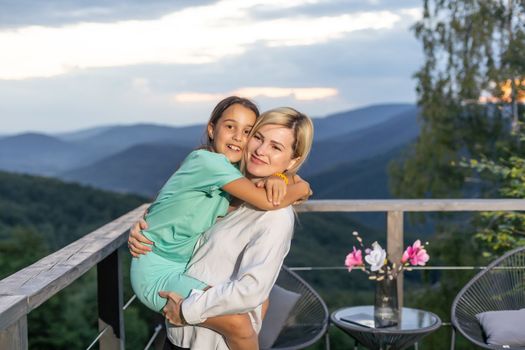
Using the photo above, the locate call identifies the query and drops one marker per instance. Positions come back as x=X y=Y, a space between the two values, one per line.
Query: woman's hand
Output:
x=275 y=189
x=172 y=310
x=137 y=241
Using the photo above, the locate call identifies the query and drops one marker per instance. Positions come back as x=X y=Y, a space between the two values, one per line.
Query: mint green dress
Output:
x=186 y=206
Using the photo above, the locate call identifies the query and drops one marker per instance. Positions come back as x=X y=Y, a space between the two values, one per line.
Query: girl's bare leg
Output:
x=237 y=330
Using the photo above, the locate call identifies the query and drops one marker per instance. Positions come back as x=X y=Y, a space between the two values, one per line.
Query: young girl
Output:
x=190 y=202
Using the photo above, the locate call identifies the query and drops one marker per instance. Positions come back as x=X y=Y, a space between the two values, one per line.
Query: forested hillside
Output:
x=40 y=215
x=56 y=212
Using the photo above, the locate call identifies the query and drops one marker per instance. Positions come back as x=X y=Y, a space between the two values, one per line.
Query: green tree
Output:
x=23 y=247
x=468 y=88
x=40 y=215
x=502 y=230
x=470 y=92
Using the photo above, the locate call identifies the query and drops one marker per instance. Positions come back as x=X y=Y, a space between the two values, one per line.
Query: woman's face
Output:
x=231 y=131
x=269 y=151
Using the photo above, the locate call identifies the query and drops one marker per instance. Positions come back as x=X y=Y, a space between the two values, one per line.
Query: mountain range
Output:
x=141 y=169
x=40 y=154
x=350 y=148
x=364 y=143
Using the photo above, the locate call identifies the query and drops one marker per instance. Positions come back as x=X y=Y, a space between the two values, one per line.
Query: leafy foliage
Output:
x=501 y=231
x=468 y=91
x=40 y=215
x=60 y=213
x=471 y=90
x=14 y=252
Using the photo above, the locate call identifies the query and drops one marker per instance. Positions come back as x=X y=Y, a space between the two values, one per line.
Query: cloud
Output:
x=299 y=94
x=196 y=35
x=142 y=85
x=363 y=66
x=333 y=7
x=57 y=13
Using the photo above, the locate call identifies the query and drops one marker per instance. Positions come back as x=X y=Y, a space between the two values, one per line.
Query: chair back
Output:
x=307 y=322
x=501 y=286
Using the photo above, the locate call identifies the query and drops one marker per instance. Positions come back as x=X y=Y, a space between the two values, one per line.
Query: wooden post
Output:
x=110 y=303
x=14 y=337
x=395 y=246
x=13 y=322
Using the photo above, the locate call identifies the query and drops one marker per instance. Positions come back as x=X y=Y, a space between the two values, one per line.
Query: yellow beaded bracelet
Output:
x=282 y=176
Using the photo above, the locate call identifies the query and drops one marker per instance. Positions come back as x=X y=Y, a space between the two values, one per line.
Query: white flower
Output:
x=376 y=257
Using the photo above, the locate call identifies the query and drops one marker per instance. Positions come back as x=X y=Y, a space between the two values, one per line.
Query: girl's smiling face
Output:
x=231 y=131
x=270 y=151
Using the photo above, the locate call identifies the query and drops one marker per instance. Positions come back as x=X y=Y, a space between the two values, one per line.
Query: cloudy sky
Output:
x=66 y=65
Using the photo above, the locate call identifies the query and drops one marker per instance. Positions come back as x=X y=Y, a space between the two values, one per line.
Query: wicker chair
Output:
x=308 y=320
x=501 y=286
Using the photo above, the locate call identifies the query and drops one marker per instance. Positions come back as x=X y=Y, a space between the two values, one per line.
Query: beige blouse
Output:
x=240 y=256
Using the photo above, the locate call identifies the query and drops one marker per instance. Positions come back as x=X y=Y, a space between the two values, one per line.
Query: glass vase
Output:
x=386 y=309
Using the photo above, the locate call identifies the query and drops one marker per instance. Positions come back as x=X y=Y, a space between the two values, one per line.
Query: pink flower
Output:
x=355 y=258
x=416 y=254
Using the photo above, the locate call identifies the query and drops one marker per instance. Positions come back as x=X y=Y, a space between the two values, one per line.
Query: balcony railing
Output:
x=28 y=288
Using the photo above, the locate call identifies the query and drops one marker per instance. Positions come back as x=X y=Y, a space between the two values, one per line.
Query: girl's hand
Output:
x=137 y=241
x=297 y=179
x=275 y=189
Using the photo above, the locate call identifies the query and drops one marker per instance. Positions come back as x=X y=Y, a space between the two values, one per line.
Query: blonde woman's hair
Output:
x=301 y=126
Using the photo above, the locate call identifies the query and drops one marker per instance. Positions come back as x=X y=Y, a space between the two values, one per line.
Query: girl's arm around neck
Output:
x=247 y=191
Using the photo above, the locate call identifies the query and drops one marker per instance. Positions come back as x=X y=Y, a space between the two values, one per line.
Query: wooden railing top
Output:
x=412 y=205
x=26 y=289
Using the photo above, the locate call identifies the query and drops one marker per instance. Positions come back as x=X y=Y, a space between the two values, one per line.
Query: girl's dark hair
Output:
x=216 y=114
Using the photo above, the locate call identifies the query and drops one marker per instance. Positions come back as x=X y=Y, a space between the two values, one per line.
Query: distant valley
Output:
x=349 y=159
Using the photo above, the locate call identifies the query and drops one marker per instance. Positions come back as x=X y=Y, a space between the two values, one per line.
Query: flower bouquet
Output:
x=381 y=269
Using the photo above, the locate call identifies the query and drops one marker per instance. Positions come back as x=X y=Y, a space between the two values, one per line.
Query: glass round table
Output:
x=358 y=322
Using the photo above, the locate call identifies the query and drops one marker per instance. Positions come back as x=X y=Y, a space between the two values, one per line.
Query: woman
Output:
x=241 y=255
